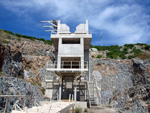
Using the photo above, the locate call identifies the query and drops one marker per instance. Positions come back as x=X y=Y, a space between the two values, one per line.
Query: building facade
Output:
x=71 y=65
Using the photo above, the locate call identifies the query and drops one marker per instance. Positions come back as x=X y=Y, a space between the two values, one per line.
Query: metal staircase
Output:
x=93 y=94
x=94 y=89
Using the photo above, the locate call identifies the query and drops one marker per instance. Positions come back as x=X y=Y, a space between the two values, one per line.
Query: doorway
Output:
x=67 y=87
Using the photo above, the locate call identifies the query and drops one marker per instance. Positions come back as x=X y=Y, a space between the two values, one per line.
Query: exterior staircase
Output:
x=93 y=89
x=93 y=94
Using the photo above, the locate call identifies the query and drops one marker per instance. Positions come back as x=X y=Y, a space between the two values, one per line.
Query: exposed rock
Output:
x=14 y=86
x=125 y=84
x=12 y=62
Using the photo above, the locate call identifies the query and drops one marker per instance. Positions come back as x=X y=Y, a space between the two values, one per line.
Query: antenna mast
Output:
x=101 y=40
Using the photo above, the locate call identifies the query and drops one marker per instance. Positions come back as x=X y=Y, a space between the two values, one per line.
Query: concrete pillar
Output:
x=60 y=88
x=82 y=57
x=75 y=92
x=85 y=91
x=58 y=62
x=59 y=58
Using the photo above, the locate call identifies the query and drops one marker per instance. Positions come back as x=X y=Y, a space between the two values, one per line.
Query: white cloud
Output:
x=126 y=22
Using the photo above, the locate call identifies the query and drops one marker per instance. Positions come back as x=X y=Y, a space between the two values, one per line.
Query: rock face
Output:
x=125 y=84
x=29 y=67
x=22 y=72
x=34 y=48
x=12 y=61
x=15 y=86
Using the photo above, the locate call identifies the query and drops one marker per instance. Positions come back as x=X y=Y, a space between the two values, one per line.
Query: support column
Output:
x=85 y=91
x=60 y=88
x=59 y=57
x=75 y=92
x=82 y=57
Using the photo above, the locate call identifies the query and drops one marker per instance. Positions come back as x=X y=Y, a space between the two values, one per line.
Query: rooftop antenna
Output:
x=50 y=25
x=101 y=40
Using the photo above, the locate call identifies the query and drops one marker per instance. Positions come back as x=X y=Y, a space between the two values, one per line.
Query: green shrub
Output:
x=48 y=42
x=129 y=45
x=131 y=56
x=136 y=51
x=147 y=47
x=78 y=110
x=125 y=52
x=19 y=39
x=92 y=56
x=109 y=54
x=43 y=91
x=125 y=49
x=122 y=56
x=99 y=56
x=9 y=32
x=141 y=44
x=5 y=41
x=85 y=110
x=1 y=73
x=91 y=46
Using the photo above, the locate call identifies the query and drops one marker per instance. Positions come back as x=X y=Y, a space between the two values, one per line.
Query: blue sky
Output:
x=117 y=21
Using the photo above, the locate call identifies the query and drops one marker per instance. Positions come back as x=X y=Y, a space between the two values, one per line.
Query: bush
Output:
x=99 y=56
x=147 y=47
x=1 y=73
x=19 y=39
x=129 y=45
x=78 y=110
x=131 y=56
x=136 y=51
x=141 y=44
x=92 y=56
x=125 y=49
x=48 y=42
x=5 y=41
x=9 y=32
x=85 y=110
x=43 y=91
x=125 y=52
x=122 y=56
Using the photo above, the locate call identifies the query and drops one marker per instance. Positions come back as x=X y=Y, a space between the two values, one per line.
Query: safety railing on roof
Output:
x=71 y=31
x=68 y=65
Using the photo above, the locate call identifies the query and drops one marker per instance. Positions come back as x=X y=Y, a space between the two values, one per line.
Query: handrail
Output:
x=36 y=104
x=16 y=105
x=68 y=64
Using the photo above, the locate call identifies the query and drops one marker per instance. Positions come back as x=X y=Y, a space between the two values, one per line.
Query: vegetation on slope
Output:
x=19 y=36
x=127 y=51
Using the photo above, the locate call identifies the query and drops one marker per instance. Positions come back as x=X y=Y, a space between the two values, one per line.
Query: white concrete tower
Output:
x=72 y=62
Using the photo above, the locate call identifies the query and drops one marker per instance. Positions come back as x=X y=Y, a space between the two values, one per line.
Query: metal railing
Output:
x=16 y=103
x=68 y=65
x=71 y=31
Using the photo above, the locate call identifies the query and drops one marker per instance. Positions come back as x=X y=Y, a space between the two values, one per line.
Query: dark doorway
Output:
x=67 y=87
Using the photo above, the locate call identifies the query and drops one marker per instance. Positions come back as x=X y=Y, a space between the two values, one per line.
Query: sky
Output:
x=119 y=22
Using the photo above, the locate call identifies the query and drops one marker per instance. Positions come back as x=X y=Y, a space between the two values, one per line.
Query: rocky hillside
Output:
x=22 y=68
x=125 y=84
x=127 y=51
